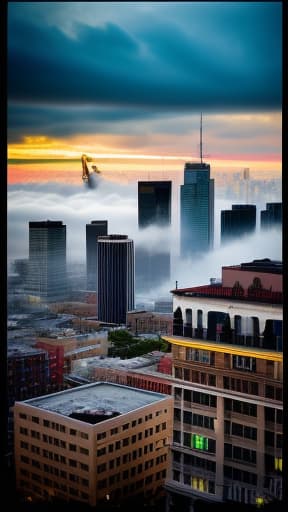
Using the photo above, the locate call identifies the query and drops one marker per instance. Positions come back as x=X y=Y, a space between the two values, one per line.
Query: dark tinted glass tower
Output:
x=47 y=260
x=196 y=210
x=93 y=230
x=272 y=216
x=154 y=209
x=115 y=278
x=154 y=203
x=239 y=221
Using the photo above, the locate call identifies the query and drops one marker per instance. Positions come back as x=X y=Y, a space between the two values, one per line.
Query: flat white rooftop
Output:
x=95 y=397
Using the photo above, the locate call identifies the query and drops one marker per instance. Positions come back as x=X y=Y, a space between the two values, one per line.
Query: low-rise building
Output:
x=149 y=322
x=93 y=443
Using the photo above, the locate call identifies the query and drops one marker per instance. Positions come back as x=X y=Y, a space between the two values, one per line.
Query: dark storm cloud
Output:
x=56 y=120
x=229 y=59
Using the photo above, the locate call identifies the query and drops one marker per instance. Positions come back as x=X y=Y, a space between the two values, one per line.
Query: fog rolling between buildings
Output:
x=117 y=203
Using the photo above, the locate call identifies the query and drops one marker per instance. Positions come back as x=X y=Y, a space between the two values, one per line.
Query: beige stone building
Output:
x=94 y=443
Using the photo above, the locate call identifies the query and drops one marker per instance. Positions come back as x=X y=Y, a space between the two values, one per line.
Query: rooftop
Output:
x=265 y=265
x=96 y=398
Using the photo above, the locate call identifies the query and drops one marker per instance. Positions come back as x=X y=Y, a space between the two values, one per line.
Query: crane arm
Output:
x=85 y=170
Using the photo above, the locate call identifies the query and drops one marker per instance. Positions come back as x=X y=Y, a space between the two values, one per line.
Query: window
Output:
x=24 y=431
x=84 y=451
x=84 y=435
x=72 y=447
x=46 y=423
x=24 y=445
x=101 y=451
x=114 y=431
x=101 y=467
x=73 y=432
x=22 y=416
x=125 y=426
x=35 y=419
x=73 y=463
x=244 y=363
x=85 y=467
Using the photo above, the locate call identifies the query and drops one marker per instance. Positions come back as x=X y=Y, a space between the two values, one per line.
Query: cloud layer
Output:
x=129 y=61
x=117 y=203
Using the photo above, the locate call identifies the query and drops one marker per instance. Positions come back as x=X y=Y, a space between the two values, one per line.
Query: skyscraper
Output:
x=196 y=209
x=154 y=203
x=93 y=230
x=115 y=278
x=239 y=221
x=47 y=260
x=272 y=216
x=154 y=209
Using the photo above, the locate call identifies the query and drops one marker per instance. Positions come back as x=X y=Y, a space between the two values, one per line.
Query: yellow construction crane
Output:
x=85 y=170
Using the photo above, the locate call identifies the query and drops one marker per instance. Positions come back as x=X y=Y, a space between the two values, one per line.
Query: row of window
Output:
x=195 y=397
x=243 y=386
x=129 y=489
x=189 y=375
x=241 y=476
x=194 y=461
x=133 y=423
x=240 y=407
x=194 y=419
x=236 y=429
x=198 y=484
x=239 y=453
x=53 y=425
x=201 y=356
x=195 y=441
x=51 y=483
x=115 y=462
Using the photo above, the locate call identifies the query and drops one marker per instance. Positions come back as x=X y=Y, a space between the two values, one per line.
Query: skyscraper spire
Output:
x=201 y=154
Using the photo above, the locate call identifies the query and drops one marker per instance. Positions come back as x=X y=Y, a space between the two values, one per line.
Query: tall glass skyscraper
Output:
x=93 y=230
x=47 y=278
x=196 y=210
x=154 y=209
x=115 y=278
x=154 y=203
x=272 y=216
x=239 y=221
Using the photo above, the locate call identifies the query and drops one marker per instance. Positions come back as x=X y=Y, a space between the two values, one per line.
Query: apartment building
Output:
x=228 y=385
x=93 y=443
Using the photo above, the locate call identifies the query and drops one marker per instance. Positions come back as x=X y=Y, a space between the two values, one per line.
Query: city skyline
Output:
x=154 y=131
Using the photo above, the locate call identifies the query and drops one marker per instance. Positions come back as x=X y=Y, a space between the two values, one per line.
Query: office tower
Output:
x=196 y=210
x=228 y=409
x=93 y=230
x=272 y=216
x=115 y=278
x=47 y=278
x=154 y=203
x=154 y=209
x=92 y=444
x=238 y=222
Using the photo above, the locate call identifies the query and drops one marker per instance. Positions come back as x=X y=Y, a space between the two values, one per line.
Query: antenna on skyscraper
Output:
x=201 y=154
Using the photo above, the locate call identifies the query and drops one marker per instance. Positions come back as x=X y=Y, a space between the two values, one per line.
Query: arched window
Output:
x=188 y=323
x=178 y=322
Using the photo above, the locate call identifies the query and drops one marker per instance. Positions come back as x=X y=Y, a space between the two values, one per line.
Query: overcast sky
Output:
x=134 y=77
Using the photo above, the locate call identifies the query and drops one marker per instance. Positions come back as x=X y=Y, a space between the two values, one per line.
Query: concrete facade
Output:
x=123 y=454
